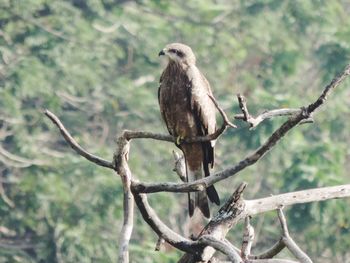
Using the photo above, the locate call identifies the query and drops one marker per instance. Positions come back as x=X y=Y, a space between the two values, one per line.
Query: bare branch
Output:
x=160 y=228
x=221 y=246
x=263 y=205
x=75 y=146
x=122 y=168
x=283 y=222
x=334 y=83
x=255 y=121
x=289 y=242
x=222 y=112
x=227 y=217
x=235 y=209
x=271 y=252
x=180 y=166
x=248 y=238
x=243 y=106
x=160 y=241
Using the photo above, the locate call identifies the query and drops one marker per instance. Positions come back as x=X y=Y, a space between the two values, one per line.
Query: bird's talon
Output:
x=179 y=139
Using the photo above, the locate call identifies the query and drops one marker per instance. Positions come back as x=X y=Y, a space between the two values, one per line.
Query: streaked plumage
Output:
x=188 y=111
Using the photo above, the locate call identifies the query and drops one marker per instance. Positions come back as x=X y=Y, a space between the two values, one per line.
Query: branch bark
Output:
x=221 y=246
x=271 y=252
x=75 y=146
x=289 y=242
x=122 y=168
x=255 y=121
x=258 y=206
x=248 y=237
x=160 y=228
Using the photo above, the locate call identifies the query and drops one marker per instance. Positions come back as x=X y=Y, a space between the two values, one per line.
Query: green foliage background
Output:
x=94 y=63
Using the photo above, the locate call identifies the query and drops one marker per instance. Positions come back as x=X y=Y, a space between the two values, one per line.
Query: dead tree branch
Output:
x=180 y=166
x=236 y=209
x=75 y=146
x=221 y=246
x=223 y=114
x=120 y=159
x=255 y=121
x=160 y=228
x=289 y=242
x=248 y=238
x=266 y=204
x=227 y=217
x=271 y=252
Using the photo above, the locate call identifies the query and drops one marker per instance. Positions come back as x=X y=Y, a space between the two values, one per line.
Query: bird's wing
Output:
x=204 y=110
x=162 y=107
x=201 y=103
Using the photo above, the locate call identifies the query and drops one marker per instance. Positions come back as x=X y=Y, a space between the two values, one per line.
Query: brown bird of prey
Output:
x=188 y=111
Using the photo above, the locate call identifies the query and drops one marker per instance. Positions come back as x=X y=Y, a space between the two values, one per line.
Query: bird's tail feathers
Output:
x=213 y=195
x=209 y=161
x=202 y=203
x=197 y=199
x=200 y=200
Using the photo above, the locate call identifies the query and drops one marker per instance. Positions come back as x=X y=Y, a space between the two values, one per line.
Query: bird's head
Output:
x=179 y=53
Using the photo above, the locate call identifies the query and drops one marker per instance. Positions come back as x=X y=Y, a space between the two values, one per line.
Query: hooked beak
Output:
x=161 y=53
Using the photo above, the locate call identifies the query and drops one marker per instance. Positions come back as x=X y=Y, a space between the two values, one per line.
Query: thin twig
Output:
x=243 y=106
x=221 y=246
x=75 y=146
x=180 y=166
x=222 y=112
x=289 y=242
x=271 y=252
x=160 y=228
x=255 y=121
x=160 y=241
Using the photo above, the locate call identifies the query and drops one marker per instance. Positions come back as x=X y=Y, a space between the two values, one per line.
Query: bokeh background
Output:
x=95 y=64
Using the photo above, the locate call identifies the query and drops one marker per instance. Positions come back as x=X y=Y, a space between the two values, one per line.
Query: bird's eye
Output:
x=179 y=53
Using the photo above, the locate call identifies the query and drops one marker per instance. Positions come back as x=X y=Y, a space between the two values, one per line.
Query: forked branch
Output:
x=289 y=242
x=255 y=121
